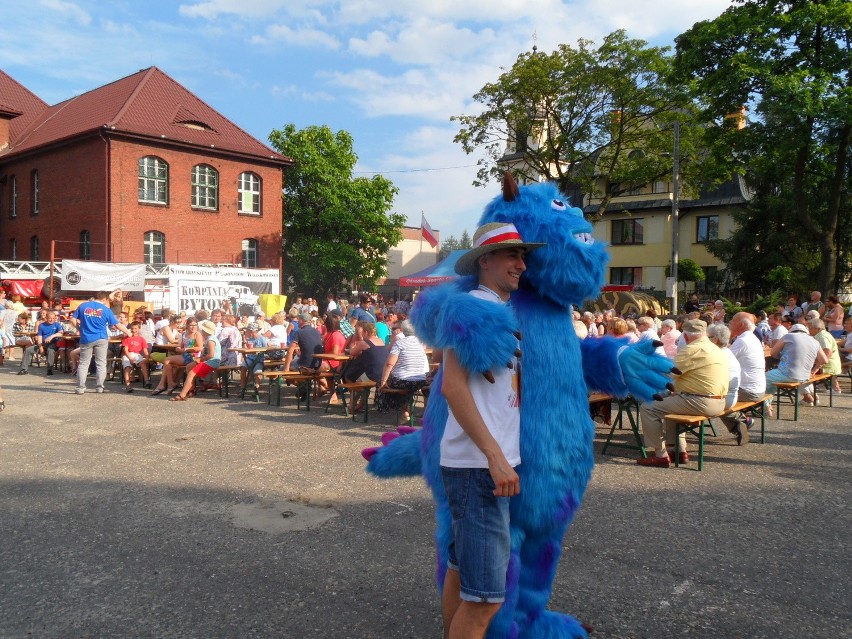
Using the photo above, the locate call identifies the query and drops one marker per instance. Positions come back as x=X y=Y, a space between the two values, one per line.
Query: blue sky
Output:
x=391 y=72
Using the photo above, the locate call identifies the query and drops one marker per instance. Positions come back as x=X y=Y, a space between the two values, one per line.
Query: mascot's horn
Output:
x=510 y=187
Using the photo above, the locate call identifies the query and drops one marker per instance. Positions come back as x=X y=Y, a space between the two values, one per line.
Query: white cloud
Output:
x=68 y=9
x=434 y=177
x=292 y=91
x=212 y=9
x=300 y=37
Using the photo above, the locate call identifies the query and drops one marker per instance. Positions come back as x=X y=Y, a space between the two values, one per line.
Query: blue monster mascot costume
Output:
x=557 y=432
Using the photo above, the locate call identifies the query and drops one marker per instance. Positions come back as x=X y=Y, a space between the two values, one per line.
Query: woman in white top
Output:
x=405 y=368
x=277 y=336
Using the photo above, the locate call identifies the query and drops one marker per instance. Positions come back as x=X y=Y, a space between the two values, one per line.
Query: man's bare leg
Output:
x=450 y=599
x=464 y=619
x=471 y=620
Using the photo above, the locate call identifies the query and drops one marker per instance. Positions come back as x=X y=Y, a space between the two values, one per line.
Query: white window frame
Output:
x=249 y=194
x=205 y=187
x=251 y=254
x=150 y=244
x=153 y=173
x=13 y=197
x=35 y=193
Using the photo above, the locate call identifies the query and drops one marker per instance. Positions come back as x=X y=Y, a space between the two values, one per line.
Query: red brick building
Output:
x=139 y=170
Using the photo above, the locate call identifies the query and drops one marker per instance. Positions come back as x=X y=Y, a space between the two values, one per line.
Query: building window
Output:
x=625 y=275
x=627 y=231
x=85 y=245
x=153 y=180
x=13 y=248
x=711 y=279
x=155 y=247
x=34 y=256
x=661 y=186
x=707 y=228
x=13 y=197
x=250 y=253
x=205 y=187
x=34 y=191
x=249 y=194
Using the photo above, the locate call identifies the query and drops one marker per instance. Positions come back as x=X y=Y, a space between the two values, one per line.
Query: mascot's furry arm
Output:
x=615 y=366
x=482 y=334
x=483 y=337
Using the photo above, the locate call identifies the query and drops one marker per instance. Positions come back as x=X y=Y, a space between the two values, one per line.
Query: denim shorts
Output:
x=481 y=541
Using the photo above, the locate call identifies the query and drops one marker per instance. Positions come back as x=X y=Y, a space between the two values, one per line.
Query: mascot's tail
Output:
x=398 y=456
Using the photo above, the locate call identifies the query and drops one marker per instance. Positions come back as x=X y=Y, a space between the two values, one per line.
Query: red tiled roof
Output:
x=16 y=98
x=148 y=104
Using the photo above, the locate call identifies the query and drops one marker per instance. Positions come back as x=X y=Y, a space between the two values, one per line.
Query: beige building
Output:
x=412 y=254
x=638 y=228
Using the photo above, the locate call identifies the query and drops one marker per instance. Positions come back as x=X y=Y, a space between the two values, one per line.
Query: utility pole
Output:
x=675 y=213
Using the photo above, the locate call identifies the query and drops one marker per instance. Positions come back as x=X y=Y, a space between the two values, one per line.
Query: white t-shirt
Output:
x=777 y=333
x=332 y=305
x=733 y=378
x=749 y=353
x=279 y=335
x=498 y=404
x=412 y=363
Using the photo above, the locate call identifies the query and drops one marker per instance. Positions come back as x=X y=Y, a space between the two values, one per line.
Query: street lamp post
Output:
x=675 y=212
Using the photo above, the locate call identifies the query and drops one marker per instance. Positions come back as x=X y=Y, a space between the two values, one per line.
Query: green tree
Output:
x=337 y=228
x=584 y=117
x=687 y=271
x=448 y=246
x=788 y=62
x=452 y=244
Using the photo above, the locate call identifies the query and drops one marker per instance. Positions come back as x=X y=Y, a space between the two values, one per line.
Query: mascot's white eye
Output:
x=558 y=205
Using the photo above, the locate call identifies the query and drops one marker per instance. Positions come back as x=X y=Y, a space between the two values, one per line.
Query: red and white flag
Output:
x=427 y=232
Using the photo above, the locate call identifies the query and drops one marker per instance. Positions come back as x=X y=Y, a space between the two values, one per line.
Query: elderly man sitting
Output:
x=748 y=350
x=699 y=390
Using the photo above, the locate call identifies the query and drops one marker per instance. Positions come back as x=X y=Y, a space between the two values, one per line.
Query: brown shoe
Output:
x=653 y=460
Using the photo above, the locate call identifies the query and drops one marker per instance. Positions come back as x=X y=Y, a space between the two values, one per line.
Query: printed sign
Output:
x=102 y=276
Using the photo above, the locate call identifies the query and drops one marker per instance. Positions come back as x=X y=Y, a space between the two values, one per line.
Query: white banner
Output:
x=102 y=276
x=194 y=287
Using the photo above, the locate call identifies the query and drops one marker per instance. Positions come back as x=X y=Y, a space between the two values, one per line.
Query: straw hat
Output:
x=206 y=326
x=489 y=238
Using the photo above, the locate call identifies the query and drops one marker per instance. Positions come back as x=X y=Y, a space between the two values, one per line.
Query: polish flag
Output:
x=427 y=232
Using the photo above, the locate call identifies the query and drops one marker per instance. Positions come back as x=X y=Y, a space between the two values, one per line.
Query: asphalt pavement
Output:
x=126 y=515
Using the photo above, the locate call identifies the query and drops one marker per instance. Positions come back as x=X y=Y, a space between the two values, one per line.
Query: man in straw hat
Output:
x=480 y=447
x=700 y=389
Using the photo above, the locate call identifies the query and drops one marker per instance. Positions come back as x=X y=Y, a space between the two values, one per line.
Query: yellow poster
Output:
x=271 y=304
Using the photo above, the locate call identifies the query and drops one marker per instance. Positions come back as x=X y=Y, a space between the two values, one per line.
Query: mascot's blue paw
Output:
x=645 y=373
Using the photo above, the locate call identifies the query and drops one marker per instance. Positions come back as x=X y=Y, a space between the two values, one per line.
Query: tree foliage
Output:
x=337 y=228
x=788 y=62
x=580 y=114
x=452 y=244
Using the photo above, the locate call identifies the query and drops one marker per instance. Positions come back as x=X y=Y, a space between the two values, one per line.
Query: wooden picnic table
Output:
x=248 y=351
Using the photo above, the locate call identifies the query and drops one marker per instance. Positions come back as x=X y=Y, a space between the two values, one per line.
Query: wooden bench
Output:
x=790 y=390
x=355 y=389
x=696 y=424
x=276 y=378
x=412 y=399
x=630 y=407
x=223 y=376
